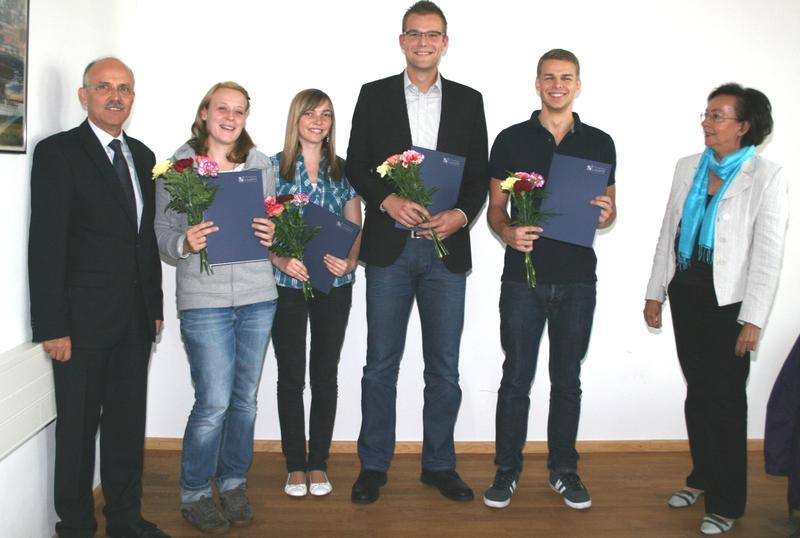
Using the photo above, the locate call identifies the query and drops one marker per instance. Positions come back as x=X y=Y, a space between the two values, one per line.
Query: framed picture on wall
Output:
x=13 y=75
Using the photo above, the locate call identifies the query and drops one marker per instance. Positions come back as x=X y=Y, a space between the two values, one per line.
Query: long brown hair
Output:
x=304 y=101
x=199 y=140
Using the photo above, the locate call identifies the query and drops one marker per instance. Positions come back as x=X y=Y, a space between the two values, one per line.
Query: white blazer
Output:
x=748 y=237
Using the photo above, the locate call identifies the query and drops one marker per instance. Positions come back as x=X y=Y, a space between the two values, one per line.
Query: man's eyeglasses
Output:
x=414 y=35
x=716 y=117
x=104 y=88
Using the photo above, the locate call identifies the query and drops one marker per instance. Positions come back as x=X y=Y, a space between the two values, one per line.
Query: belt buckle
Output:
x=415 y=235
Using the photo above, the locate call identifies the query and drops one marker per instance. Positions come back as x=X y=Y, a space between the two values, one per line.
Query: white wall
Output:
x=646 y=69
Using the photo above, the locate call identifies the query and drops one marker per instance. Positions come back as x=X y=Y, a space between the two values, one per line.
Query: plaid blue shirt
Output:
x=330 y=194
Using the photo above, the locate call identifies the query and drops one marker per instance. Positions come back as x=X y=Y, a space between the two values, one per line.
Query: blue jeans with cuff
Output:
x=226 y=348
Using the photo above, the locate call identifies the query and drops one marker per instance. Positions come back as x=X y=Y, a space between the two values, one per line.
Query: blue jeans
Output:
x=568 y=310
x=226 y=348
x=391 y=291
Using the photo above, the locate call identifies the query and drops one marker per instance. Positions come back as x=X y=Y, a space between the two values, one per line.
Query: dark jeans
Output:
x=416 y=274
x=568 y=310
x=716 y=397
x=328 y=315
x=105 y=388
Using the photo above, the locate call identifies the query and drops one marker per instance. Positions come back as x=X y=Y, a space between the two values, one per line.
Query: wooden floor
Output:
x=629 y=493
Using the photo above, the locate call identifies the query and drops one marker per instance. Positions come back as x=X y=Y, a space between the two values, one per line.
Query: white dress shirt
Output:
x=424 y=112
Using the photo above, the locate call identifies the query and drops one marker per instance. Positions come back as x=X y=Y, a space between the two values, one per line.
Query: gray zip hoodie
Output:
x=230 y=285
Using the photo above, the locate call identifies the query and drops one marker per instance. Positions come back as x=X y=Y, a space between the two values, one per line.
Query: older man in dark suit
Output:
x=416 y=107
x=96 y=301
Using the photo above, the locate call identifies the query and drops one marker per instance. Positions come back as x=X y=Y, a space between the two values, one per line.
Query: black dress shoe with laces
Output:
x=367 y=487
x=140 y=529
x=449 y=483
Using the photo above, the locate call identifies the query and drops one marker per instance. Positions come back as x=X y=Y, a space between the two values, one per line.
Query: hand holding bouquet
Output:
x=525 y=189
x=402 y=171
x=187 y=182
x=291 y=233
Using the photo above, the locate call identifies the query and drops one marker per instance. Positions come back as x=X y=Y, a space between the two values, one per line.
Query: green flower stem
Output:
x=441 y=250
x=530 y=272
x=195 y=218
x=308 y=293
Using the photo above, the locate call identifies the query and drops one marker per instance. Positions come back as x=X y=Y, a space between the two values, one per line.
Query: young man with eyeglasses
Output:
x=96 y=302
x=422 y=108
x=564 y=296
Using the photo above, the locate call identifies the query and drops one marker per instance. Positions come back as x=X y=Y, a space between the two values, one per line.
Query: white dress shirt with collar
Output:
x=424 y=112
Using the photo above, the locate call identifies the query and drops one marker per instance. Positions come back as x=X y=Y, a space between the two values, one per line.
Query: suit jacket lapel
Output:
x=108 y=176
x=144 y=177
x=399 y=109
x=742 y=181
x=448 y=109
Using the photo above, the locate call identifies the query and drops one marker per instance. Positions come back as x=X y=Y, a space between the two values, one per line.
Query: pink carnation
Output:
x=300 y=199
x=272 y=207
x=393 y=159
x=411 y=157
x=206 y=167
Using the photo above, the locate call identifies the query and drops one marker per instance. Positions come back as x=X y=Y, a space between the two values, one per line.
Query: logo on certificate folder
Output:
x=245 y=179
x=595 y=169
x=450 y=162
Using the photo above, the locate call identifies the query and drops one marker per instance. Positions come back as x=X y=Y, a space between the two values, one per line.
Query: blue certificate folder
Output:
x=239 y=199
x=443 y=171
x=335 y=236
x=571 y=184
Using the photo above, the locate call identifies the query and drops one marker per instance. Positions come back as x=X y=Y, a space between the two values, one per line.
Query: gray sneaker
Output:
x=205 y=516
x=499 y=493
x=236 y=507
x=570 y=487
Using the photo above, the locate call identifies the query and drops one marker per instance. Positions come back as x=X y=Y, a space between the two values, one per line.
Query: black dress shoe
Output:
x=367 y=487
x=449 y=483
x=140 y=529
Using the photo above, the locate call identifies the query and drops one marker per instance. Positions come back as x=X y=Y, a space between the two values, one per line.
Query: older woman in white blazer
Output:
x=718 y=259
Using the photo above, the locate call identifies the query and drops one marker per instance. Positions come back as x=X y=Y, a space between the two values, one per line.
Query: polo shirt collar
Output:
x=577 y=126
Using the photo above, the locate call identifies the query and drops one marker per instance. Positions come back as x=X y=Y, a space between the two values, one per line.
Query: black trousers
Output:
x=716 y=396
x=328 y=316
x=105 y=388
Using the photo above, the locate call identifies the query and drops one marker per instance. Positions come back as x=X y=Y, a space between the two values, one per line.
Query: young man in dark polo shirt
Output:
x=564 y=296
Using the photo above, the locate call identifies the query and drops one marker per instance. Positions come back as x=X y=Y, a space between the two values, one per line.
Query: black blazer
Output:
x=380 y=128
x=86 y=258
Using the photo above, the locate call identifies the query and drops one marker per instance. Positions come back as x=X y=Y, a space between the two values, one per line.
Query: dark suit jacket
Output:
x=380 y=128
x=86 y=258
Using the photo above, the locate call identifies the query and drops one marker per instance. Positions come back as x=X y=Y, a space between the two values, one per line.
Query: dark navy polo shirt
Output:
x=529 y=147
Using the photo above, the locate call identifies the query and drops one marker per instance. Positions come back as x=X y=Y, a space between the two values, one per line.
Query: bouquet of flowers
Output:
x=291 y=232
x=525 y=189
x=402 y=171
x=187 y=182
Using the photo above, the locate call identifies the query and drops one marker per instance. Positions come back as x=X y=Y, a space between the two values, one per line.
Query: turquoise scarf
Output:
x=696 y=217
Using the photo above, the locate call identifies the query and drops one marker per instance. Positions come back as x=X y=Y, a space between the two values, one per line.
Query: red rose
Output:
x=523 y=185
x=183 y=164
x=283 y=198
